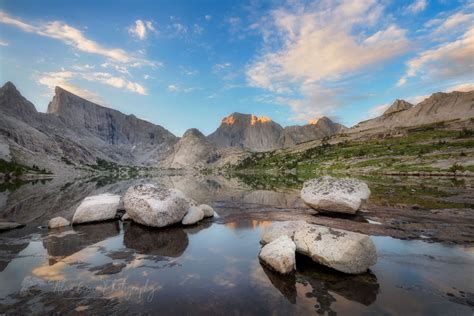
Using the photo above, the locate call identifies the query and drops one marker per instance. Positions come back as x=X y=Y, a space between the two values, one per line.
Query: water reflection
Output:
x=63 y=243
x=323 y=282
x=166 y=241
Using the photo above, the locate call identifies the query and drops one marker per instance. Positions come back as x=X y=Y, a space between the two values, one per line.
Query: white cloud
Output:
x=463 y=87
x=75 y=38
x=173 y=88
x=208 y=17
x=197 y=29
x=3 y=43
x=140 y=29
x=180 y=28
x=317 y=46
x=416 y=99
x=378 y=110
x=451 y=60
x=176 y=88
x=220 y=67
x=417 y=6
x=63 y=79
x=117 y=82
x=188 y=71
x=119 y=68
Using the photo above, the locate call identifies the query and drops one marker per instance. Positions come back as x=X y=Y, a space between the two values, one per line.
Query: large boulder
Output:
x=155 y=206
x=341 y=250
x=194 y=215
x=58 y=222
x=278 y=229
x=335 y=195
x=97 y=208
x=279 y=254
x=207 y=210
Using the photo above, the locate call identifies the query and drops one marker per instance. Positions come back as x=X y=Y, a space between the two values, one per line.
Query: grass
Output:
x=14 y=169
x=415 y=151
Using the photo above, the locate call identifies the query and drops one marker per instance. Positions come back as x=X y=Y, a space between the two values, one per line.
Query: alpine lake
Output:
x=423 y=229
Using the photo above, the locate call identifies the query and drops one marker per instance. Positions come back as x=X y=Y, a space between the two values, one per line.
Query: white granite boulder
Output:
x=279 y=254
x=341 y=250
x=334 y=194
x=207 y=210
x=57 y=222
x=155 y=206
x=278 y=229
x=97 y=208
x=194 y=215
x=125 y=217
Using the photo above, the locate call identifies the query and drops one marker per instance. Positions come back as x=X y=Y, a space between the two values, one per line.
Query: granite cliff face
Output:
x=192 y=150
x=247 y=131
x=254 y=133
x=319 y=129
x=439 y=107
x=397 y=106
x=78 y=131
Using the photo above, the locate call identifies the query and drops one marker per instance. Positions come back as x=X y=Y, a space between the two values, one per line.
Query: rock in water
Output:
x=9 y=225
x=279 y=254
x=58 y=222
x=194 y=215
x=342 y=250
x=155 y=206
x=207 y=210
x=97 y=208
x=335 y=195
x=278 y=229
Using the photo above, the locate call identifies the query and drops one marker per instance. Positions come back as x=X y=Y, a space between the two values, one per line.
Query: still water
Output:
x=212 y=268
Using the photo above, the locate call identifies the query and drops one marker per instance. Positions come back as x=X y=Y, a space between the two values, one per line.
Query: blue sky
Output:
x=184 y=64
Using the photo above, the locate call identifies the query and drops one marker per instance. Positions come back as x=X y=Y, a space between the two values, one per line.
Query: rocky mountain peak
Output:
x=193 y=132
x=13 y=103
x=9 y=86
x=397 y=106
x=245 y=119
x=247 y=131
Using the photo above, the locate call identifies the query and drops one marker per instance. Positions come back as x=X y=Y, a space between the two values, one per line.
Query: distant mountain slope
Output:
x=262 y=134
x=247 y=131
x=439 y=107
x=77 y=130
x=193 y=149
x=319 y=129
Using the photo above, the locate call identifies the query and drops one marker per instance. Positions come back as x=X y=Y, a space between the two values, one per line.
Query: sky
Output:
x=184 y=64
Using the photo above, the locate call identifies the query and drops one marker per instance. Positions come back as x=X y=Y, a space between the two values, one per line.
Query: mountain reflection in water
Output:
x=210 y=268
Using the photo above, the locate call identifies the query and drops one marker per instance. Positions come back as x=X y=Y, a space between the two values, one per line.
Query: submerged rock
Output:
x=279 y=254
x=335 y=195
x=207 y=210
x=155 y=206
x=97 y=208
x=341 y=250
x=9 y=225
x=194 y=215
x=58 y=222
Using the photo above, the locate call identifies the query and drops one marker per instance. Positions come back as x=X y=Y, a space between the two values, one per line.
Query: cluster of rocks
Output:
x=146 y=204
x=341 y=250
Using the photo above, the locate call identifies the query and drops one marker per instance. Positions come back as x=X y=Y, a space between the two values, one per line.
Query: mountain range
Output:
x=75 y=131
